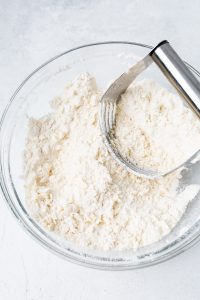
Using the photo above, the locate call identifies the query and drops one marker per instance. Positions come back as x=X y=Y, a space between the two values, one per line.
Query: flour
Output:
x=154 y=129
x=75 y=189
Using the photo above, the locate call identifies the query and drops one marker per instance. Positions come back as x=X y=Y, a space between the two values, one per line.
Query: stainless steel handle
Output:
x=178 y=74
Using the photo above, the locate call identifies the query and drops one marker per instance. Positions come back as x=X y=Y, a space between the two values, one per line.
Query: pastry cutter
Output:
x=178 y=74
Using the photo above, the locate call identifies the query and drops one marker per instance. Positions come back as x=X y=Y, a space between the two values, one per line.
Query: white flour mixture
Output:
x=73 y=186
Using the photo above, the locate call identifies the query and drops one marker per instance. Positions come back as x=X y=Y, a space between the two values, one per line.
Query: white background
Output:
x=31 y=32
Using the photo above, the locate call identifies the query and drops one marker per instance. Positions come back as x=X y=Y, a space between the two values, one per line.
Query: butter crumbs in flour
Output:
x=75 y=189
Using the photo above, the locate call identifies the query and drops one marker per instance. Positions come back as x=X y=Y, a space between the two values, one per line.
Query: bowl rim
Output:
x=82 y=260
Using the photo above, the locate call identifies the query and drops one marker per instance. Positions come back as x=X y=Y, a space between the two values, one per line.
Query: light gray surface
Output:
x=31 y=32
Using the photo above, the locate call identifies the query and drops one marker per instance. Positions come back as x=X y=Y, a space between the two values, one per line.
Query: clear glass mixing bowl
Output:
x=105 y=61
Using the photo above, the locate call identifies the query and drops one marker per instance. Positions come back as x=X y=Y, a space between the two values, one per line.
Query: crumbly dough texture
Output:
x=154 y=129
x=75 y=189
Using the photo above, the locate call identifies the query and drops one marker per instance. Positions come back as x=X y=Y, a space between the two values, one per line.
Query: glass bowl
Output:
x=105 y=61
